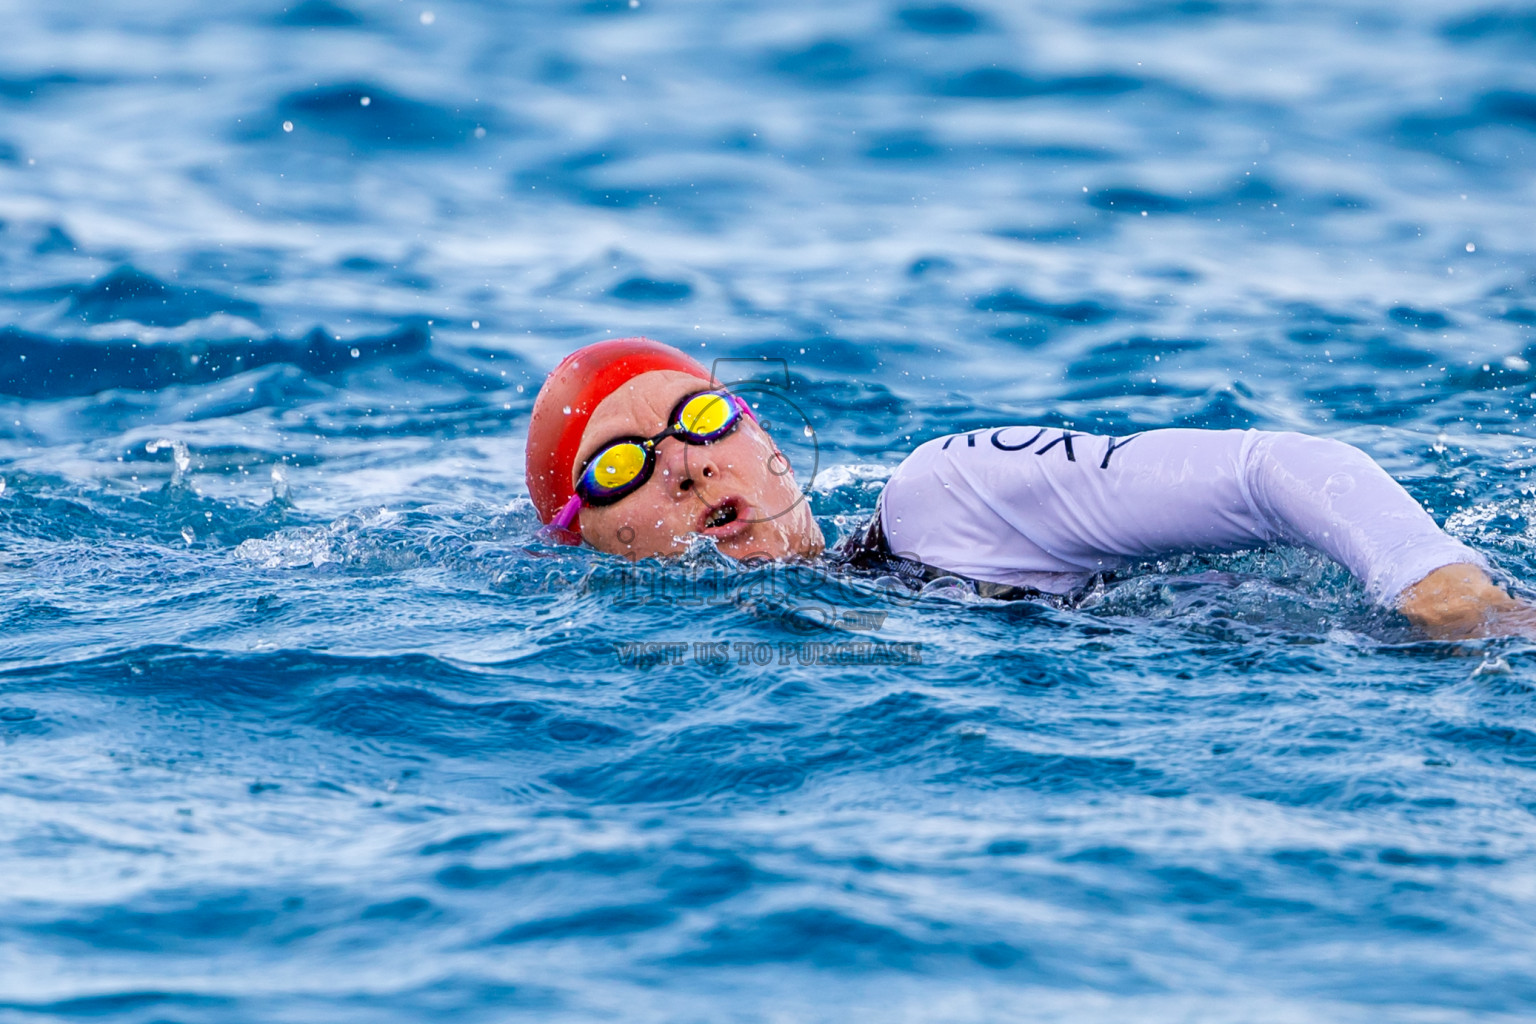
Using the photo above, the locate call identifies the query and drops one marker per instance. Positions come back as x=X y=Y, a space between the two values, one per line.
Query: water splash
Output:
x=280 y=489
x=181 y=459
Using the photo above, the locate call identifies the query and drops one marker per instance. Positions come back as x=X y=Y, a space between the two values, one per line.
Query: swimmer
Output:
x=634 y=448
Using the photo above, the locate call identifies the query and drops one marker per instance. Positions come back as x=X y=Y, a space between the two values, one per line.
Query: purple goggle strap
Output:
x=567 y=515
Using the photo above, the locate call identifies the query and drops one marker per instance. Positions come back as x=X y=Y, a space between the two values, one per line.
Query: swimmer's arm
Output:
x=1336 y=499
x=972 y=507
x=1459 y=601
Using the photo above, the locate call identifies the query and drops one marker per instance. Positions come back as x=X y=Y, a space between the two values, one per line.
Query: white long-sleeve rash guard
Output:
x=1047 y=508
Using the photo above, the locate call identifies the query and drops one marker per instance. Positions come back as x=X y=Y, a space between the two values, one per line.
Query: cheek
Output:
x=637 y=527
x=749 y=456
x=774 y=473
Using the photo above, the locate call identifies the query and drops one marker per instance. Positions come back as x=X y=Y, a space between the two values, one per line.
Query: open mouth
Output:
x=727 y=517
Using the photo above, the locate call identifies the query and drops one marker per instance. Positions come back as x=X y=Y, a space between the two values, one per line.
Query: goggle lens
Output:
x=616 y=467
x=707 y=416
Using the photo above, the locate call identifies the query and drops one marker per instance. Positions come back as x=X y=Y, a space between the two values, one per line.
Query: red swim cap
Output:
x=567 y=400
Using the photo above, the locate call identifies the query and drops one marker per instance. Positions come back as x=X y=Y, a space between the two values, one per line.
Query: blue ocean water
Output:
x=302 y=722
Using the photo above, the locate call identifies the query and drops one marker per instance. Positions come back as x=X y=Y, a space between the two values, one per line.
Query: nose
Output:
x=683 y=468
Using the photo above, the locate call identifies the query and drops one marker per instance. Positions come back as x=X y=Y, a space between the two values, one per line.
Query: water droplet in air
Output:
x=475 y=324
x=187 y=534
x=179 y=455
x=356 y=353
x=566 y=410
x=366 y=100
x=807 y=431
x=1471 y=247
x=287 y=126
x=427 y=17
x=479 y=132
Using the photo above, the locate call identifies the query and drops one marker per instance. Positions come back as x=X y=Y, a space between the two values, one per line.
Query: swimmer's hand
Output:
x=1458 y=602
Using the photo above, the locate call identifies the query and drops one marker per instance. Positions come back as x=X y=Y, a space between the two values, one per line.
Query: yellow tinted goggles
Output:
x=623 y=465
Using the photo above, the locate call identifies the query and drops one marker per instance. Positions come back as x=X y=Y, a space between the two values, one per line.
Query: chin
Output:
x=805 y=541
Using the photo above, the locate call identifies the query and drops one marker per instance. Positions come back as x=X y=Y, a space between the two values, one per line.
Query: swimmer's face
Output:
x=739 y=490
